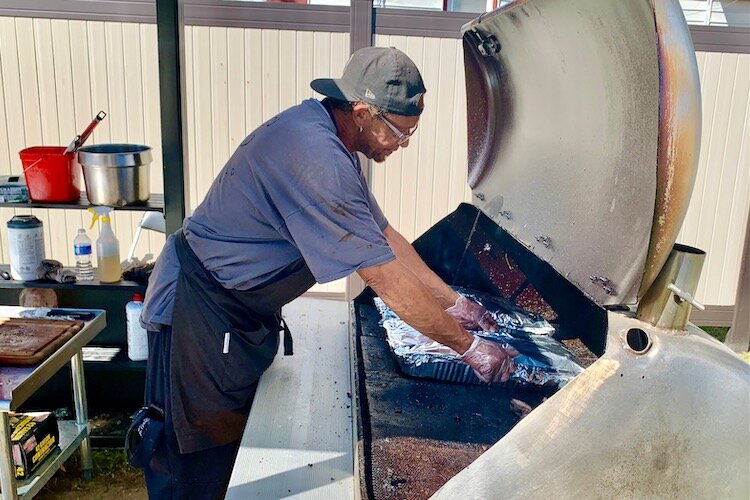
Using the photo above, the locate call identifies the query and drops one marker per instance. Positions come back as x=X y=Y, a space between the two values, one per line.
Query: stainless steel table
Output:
x=18 y=383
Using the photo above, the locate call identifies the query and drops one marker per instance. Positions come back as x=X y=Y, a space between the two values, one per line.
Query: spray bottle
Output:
x=107 y=247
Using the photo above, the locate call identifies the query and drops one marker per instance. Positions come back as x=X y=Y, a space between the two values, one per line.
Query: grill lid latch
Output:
x=487 y=44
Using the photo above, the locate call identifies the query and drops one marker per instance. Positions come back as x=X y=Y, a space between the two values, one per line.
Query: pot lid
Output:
x=572 y=141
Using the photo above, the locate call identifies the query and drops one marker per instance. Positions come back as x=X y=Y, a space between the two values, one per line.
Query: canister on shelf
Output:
x=26 y=244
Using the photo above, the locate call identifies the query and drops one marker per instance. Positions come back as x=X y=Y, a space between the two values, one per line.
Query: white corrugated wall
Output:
x=56 y=74
x=720 y=204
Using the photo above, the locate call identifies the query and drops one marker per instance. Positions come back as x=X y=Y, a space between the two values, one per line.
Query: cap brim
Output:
x=332 y=88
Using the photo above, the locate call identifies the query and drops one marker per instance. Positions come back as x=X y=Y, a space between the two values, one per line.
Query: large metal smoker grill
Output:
x=583 y=134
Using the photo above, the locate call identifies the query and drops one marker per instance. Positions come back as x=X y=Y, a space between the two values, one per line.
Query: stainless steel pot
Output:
x=116 y=174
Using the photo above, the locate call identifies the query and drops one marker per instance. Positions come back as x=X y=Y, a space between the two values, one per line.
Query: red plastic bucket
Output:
x=51 y=175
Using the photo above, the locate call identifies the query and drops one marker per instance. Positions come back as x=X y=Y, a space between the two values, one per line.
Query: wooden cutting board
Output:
x=25 y=341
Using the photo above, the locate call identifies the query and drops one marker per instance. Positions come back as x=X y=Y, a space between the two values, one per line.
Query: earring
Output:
x=360 y=130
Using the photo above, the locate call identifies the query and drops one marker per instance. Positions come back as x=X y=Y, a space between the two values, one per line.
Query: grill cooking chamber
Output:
x=583 y=139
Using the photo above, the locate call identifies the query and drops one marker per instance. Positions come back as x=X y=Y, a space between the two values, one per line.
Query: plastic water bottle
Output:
x=82 y=251
x=137 y=336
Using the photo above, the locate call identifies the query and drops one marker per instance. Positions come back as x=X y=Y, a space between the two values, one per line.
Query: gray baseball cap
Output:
x=382 y=76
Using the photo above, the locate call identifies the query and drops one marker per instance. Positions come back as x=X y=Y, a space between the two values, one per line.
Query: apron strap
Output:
x=288 y=341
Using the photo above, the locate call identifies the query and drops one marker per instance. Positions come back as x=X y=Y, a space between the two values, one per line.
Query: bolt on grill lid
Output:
x=584 y=129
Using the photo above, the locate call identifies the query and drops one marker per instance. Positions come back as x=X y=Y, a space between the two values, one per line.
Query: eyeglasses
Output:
x=400 y=136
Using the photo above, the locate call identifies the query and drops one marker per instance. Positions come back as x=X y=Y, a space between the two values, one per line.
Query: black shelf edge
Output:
x=154 y=204
x=122 y=285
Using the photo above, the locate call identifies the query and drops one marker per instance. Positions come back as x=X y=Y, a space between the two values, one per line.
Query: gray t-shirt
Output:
x=291 y=191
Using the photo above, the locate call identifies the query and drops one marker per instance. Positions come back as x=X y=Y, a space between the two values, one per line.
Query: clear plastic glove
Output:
x=471 y=315
x=491 y=363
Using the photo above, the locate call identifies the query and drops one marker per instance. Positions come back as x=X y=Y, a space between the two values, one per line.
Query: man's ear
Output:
x=360 y=114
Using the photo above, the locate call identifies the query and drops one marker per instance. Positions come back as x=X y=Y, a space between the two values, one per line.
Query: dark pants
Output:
x=171 y=475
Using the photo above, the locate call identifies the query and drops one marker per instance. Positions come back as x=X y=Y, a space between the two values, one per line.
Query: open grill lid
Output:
x=584 y=129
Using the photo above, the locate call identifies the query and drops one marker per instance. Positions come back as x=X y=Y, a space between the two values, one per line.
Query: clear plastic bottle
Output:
x=137 y=336
x=108 y=253
x=82 y=251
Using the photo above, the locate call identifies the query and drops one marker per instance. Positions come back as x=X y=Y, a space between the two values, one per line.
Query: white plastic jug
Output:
x=137 y=336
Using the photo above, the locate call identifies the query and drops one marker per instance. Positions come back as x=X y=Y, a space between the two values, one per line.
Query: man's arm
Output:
x=409 y=257
x=468 y=313
x=408 y=297
x=406 y=294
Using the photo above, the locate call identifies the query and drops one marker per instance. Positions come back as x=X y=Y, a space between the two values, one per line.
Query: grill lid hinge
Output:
x=487 y=44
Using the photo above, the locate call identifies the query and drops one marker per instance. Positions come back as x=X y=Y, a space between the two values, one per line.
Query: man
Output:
x=290 y=208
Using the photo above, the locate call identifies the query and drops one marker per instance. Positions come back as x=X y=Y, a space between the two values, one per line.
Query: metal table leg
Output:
x=82 y=413
x=7 y=474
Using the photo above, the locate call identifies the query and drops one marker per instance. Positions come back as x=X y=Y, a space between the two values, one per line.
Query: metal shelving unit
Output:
x=19 y=383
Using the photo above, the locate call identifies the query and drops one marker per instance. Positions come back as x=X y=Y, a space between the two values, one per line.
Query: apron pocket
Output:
x=246 y=355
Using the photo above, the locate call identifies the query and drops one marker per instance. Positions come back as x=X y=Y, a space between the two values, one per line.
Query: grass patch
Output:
x=113 y=478
x=720 y=334
x=717 y=332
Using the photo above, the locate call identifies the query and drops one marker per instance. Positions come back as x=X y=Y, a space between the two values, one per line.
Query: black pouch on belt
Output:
x=144 y=435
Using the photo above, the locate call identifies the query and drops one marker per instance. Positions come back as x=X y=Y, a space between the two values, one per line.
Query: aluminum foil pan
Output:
x=542 y=362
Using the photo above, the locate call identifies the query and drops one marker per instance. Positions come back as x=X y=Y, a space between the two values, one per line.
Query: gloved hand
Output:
x=471 y=315
x=491 y=363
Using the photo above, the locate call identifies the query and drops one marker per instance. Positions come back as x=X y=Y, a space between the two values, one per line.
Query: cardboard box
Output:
x=13 y=189
x=34 y=436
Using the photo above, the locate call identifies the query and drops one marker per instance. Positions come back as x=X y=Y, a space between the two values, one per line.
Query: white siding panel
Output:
x=30 y=93
x=270 y=73
x=253 y=79
x=191 y=193
x=236 y=87
x=219 y=119
x=5 y=161
x=15 y=124
x=201 y=171
x=720 y=202
x=287 y=69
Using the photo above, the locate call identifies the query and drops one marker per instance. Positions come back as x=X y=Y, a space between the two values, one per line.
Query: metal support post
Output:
x=7 y=474
x=360 y=24
x=82 y=413
x=738 y=337
x=170 y=25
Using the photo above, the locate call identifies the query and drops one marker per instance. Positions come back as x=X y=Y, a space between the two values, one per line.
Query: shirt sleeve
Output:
x=337 y=238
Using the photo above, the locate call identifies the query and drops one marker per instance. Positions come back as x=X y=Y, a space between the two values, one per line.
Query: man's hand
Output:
x=471 y=315
x=491 y=363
